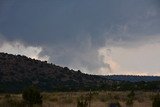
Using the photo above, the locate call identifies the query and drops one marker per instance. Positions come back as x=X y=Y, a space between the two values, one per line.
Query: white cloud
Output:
x=17 y=47
x=142 y=60
x=105 y=56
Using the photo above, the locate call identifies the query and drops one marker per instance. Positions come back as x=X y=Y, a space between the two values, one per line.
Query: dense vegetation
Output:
x=31 y=96
x=18 y=72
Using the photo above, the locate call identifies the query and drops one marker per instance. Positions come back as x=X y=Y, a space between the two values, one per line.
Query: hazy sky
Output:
x=95 y=36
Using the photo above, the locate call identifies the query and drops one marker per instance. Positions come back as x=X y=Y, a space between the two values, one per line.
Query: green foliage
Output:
x=156 y=101
x=32 y=96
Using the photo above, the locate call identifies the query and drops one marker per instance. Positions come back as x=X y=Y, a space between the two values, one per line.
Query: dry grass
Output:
x=99 y=99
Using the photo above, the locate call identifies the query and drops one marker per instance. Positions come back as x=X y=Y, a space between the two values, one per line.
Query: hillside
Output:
x=18 y=72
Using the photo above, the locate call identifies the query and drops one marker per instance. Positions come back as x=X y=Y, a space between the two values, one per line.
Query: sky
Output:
x=102 y=37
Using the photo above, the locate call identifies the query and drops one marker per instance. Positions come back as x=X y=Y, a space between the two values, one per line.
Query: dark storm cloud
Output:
x=71 y=31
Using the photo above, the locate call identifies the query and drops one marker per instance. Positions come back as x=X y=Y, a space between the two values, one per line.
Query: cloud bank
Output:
x=137 y=60
x=96 y=37
x=18 y=48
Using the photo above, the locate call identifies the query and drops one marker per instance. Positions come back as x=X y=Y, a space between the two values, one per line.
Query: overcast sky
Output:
x=95 y=36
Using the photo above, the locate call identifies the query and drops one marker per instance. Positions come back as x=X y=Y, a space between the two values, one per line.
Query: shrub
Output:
x=156 y=101
x=32 y=96
x=89 y=97
x=114 y=104
x=82 y=102
x=85 y=101
x=130 y=98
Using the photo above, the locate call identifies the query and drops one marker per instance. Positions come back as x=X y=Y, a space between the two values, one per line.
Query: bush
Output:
x=85 y=101
x=114 y=104
x=32 y=96
x=82 y=102
x=156 y=101
x=130 y=98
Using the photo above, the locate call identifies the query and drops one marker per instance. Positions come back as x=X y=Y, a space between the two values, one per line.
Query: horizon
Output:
x=82 y=71
x=97 y=37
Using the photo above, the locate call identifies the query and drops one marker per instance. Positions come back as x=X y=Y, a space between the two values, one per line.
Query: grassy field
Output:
x=70 y=99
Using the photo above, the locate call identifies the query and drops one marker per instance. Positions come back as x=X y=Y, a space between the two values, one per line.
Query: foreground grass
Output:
x=69 y=99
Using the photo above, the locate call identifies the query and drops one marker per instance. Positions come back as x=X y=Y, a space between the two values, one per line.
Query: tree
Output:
x=130 y=98
x=31 y=96
x=156 y=101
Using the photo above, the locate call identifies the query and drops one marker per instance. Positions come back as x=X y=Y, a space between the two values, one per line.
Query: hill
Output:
x=18 y=72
